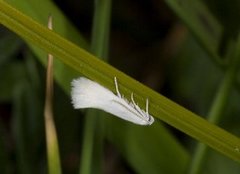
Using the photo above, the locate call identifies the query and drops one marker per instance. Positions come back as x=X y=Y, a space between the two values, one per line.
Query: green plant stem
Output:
x=91 y=159
x=101 y=28
x=87 y=148
x=217 y=109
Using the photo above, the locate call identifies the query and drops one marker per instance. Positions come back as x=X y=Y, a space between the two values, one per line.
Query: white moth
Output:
x=89 y=94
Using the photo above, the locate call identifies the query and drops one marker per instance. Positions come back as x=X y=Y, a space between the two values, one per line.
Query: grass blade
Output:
x=218 y=107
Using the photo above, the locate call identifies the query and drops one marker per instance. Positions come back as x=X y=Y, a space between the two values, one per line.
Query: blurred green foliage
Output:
x=179 y=66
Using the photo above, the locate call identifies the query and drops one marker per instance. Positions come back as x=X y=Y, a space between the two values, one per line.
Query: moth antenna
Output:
x=150 y=119
x=116 y=86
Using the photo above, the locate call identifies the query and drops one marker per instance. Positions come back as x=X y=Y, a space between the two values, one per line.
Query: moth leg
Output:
x=133 y=100
x=140 y=111
x=116 y=86
x=147 y=103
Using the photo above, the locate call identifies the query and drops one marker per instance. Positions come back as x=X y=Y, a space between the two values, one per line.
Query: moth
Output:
x=89 y=94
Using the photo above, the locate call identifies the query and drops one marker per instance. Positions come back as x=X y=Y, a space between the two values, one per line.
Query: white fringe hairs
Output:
x=89 y=94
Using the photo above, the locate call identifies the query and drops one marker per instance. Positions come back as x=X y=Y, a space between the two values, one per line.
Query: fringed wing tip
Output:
x=78 y=92
x=87 y=94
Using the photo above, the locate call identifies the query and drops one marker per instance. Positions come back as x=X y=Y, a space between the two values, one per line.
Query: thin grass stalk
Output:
x=53 y=156
x=92 y=156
